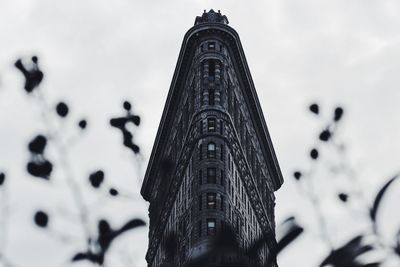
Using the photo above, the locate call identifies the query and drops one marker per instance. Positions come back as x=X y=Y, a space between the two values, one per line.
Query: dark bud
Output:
x=338 y=114
x=2 y=178
x=113 y=192
x=82 y=124
x=135 y=148
x=40 y=169
x=33 y=76
x=297 y=175
x=343 y=197
x=38 y=144
x=127 y=106
x=90 y=256
x=105 y=231
x=314 y=153
x=62 y=109
x=41 y=219
x=314 y=108
x=96 y=178
x=135 y=119
x=118 y=122
x=325 y=135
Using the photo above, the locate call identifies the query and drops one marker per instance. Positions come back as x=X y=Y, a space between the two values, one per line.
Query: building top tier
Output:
x=211 y=16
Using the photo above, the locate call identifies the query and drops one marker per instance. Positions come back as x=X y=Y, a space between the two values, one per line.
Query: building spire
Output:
x=211 y=17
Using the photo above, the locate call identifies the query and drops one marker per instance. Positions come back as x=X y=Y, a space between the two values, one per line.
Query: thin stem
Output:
x=5 y=213
x=317 y=208
x=66 y=166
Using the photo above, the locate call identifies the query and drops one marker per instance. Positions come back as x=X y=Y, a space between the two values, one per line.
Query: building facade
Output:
x=213 y=165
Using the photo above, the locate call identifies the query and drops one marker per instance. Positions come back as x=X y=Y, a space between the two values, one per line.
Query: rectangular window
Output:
x=200 y=152
x=210 y=226
x=222 y=203
x=211 y=124
x=221 y=127
x=211 y=175
x=222 y=178
x=211 y=200
x=222 y=152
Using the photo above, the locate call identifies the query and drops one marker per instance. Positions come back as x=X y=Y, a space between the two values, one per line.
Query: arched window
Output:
x=211 y=150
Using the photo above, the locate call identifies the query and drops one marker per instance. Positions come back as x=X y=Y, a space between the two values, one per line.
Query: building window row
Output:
x=211 y=201
x=211 y=177
x=211 y=227
x=211 y=46
x=212 y=126
x=211 y=151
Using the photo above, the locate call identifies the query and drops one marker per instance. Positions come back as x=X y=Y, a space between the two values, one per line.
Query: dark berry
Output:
x=325 y=135
x=314 y=108
x=82 y=124
x=113 y=192
x=96 y=178
x=2 y=178
x=343 y=197
x=314 y=153
x=338 y=114
x=297 y=175
x=41 y=169
x=62 y=109
x=127 y=106
x=41 y=219
x=38 y=144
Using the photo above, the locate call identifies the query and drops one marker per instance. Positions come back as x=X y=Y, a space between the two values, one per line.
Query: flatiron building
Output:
x=213 y=165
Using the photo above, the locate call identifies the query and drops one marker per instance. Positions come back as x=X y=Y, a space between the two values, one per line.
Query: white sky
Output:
x=95 y=54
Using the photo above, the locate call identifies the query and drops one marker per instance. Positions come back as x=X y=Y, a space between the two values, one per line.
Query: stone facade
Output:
x=213 y=163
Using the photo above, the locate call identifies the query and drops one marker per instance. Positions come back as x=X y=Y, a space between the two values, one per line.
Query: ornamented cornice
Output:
x=211 y=16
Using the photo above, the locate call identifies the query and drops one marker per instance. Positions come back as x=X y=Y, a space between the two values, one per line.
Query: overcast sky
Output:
x=95 y=54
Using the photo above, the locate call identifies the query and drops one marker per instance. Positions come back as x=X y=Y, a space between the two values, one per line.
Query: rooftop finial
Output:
x=211 y=17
